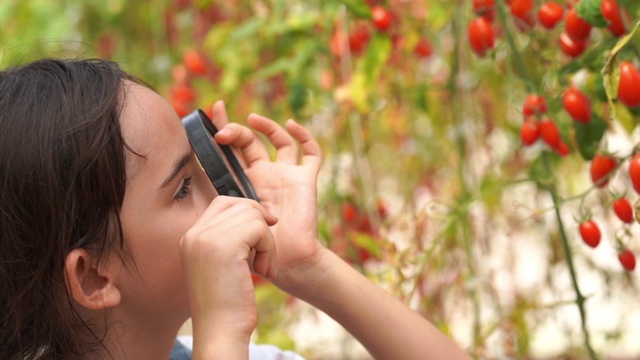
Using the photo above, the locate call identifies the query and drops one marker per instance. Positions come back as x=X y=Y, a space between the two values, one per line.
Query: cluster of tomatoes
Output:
x=383 y=20
x=602 y=168
x=355 y=237
x=181 y=93
x=573 y=40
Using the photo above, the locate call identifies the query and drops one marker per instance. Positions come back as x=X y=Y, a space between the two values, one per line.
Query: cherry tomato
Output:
x=358 y=39
x=562 y=148
x=571 y=47
x=576 y=27
x=590 y=233
x=550 y=133
x=601 y=169
x=381 y=17
x=180 y=107
x=182 y=93
x=627 y=259
x=534 y=105
x=634 y=172
x=550 y=14
x=529 y=132
x=349 y=212
x=194 y=61
x=523 y=11
x=485 y=9
x=624 y=211
x=611 y=12
x=481 y=36
x=629 y=86
x=577 y=104
x=423 y=48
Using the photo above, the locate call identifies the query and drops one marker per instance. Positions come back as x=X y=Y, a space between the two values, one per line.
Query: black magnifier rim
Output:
x=200 y=131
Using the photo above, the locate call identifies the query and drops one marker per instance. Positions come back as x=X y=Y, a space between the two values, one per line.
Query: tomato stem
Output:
x=520 y=66
x=580 y=299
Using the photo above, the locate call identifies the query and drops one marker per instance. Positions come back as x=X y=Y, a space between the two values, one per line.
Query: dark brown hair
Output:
x=62 y=183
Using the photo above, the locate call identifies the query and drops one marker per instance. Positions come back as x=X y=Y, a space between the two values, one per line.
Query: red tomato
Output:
x=381 y=17
x=358 y=39
x=529 y=132
x=523 y=11
x=423 y=48
x=550 y=133
x=180 y=107
x=194 y=62
x=611 y=12
x=577 y=104
x=182 y=93
x=629 y=86
x=550 y=14
x=534 y=105
x=576 y=27
x=634 y=172
x=562 y=149
x=590 y=233
x=627 y=259
x=349 y=212
x=601 y=169
x=624 y=211
x=481 y=36
x=485 y=9
x=571 y=47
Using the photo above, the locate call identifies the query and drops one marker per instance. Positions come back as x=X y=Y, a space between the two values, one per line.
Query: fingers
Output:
x=235 y=228
x=311 y=151
x=220 y=117
x=286 y=147
x=233 y=206
x=245 y=140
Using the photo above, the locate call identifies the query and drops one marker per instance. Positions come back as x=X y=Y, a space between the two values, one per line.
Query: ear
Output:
x=90 y=285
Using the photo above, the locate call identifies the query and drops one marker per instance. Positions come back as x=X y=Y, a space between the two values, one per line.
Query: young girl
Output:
x=112 y=236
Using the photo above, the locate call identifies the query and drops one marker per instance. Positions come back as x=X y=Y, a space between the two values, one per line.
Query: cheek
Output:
x=154 y=238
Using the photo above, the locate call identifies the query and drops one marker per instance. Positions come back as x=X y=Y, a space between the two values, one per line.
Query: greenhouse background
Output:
x=457 y=172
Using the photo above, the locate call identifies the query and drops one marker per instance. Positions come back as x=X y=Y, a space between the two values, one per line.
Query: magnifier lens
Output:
x=218 y=160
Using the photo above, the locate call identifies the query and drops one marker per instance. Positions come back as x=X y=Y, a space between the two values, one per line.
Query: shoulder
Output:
x=256 y=352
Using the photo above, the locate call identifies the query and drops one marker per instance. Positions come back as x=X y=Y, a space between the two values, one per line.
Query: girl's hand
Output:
x=230 y=239
x=285 y=185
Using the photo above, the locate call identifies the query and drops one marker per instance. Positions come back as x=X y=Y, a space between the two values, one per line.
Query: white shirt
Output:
x=256 y=352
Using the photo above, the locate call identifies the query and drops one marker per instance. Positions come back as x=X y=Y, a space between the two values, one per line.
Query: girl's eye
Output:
x=185 y=190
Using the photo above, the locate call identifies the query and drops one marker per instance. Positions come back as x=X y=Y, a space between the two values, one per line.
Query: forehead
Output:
x=151 y=128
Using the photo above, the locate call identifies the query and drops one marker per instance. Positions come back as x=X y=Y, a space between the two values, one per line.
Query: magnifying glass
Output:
x=219 y=162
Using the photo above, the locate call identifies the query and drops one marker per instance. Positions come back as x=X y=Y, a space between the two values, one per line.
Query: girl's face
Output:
x=166 y=193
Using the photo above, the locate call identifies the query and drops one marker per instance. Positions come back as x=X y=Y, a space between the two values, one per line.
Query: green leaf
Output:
x=297 y=97
x=367 y=243
x=540 y=170
x=368 y=70
x=588 y=136
x=376 y=56
x=625 y=117
x=248 y=30
x=589 y=10
x=358 y=7
x=611 y=72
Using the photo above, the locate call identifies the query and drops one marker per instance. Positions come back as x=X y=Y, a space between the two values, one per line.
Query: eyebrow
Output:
x=179 y=165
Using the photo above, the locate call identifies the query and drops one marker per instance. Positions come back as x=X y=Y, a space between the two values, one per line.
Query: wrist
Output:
x=220 y=347
x=316 y=279
x=212 y=340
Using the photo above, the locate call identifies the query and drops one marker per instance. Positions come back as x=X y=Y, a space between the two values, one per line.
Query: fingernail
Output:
x=224 y=132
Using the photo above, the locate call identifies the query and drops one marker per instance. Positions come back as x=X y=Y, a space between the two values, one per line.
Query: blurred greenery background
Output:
x=426 y=186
